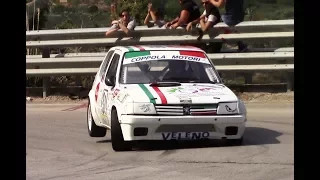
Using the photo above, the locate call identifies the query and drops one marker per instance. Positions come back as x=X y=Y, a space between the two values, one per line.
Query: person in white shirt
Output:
x=126 y=23
x=210 y=17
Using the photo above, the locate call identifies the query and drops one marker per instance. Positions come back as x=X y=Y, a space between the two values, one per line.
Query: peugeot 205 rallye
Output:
x=162 y=93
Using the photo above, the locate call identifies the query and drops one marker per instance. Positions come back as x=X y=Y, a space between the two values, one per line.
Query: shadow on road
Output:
x=260 y=136
x=252 y=136
x=104 y=141
x=175 y=145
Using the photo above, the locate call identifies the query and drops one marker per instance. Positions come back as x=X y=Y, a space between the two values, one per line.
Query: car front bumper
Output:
x=136 y=127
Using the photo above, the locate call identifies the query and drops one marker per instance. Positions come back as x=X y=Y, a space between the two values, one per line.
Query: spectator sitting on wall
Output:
x=234 y=14
x=156 y=14
x=126 y=23
x=189 y=12
x=209 y=18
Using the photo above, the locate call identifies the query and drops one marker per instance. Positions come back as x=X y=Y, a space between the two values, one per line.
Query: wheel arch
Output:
x=92 y=104
x=115 y=108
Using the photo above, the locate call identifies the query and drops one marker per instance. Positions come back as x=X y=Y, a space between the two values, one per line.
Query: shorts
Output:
x=231 y=20
x=160 y=24
x=160 y=13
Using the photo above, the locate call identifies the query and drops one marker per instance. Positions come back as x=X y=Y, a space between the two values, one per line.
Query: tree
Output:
x=137 y=8
x=32 y=11
x=75 y=2
x=172 y=9
x=94 y=12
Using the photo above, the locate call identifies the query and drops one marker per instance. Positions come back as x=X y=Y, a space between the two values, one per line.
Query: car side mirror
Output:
x=110 y=81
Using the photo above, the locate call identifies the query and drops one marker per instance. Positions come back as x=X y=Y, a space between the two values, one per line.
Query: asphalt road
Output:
x=59 y=147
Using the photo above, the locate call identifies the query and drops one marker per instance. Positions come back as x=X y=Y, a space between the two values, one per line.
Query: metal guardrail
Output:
x=243 y=61
x=286 y=49
x=156 y=40
x=258 y=59
x=248 y=26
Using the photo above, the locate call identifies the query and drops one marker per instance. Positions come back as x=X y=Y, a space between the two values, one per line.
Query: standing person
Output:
x=156 y=14
x=126 y=23
x=234 y=14
x=189 y=12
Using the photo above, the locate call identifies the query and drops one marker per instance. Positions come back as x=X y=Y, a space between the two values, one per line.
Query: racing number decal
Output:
x=104 y=103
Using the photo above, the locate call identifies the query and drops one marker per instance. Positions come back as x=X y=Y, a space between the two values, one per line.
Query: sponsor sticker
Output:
x=142 y=56
x=195 y=91
x=185 y=135
x=104 y=104
x=122 y=97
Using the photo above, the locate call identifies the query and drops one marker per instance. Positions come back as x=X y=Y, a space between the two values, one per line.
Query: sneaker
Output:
x=242 y=48
x=199 y=38
x=149 y=24
x=60 y=55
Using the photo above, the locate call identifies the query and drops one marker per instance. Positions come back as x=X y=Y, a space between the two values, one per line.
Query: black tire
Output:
x=235 y=142
x=93 y=129
x=118 y=143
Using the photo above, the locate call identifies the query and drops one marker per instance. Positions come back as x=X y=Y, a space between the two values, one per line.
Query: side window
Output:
x=105 y=63
x=113 y=66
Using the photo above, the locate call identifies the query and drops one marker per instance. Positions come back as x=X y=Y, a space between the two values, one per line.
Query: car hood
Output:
x=186 y=93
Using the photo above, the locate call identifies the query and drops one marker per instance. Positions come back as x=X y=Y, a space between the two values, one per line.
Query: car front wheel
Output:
x=93 y=129
x=118 y=143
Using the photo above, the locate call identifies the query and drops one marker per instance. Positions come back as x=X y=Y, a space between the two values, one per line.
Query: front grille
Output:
x=186 y=110
x=185 y=128
x=169 y=110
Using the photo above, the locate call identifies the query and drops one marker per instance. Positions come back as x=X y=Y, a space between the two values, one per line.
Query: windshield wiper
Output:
x=197 y=81
x=165 y=84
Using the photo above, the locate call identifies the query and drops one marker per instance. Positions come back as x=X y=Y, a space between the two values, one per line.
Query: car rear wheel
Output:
x=93 y=129
x=118 y=143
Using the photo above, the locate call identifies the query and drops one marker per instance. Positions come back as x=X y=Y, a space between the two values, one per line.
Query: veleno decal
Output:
x=185 y=135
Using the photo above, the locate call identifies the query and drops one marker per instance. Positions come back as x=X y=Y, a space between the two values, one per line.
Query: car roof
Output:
x=156 y=48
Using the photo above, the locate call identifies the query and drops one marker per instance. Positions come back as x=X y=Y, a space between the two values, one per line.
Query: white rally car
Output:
x=162 y=93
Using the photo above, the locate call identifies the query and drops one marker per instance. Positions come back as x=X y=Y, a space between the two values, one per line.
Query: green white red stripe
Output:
x=151 y=96
x=192 y=53
x=148 y=93
x=141 y=56
x=154 y=47
x=140 y=48
x=134 y=54
x=130 y=48
x=161 y=95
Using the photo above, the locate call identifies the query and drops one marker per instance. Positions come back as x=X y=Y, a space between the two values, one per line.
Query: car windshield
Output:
x=143 y=67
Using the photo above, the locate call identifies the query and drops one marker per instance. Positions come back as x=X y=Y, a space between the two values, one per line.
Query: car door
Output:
x=105 y=107
x=98 y=86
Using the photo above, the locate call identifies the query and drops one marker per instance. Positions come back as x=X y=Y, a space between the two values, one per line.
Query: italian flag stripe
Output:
x=161 y=95
x=192 y=53
x=148 y=93
x=140 y=48
x=129 y=48
x=136 y=54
